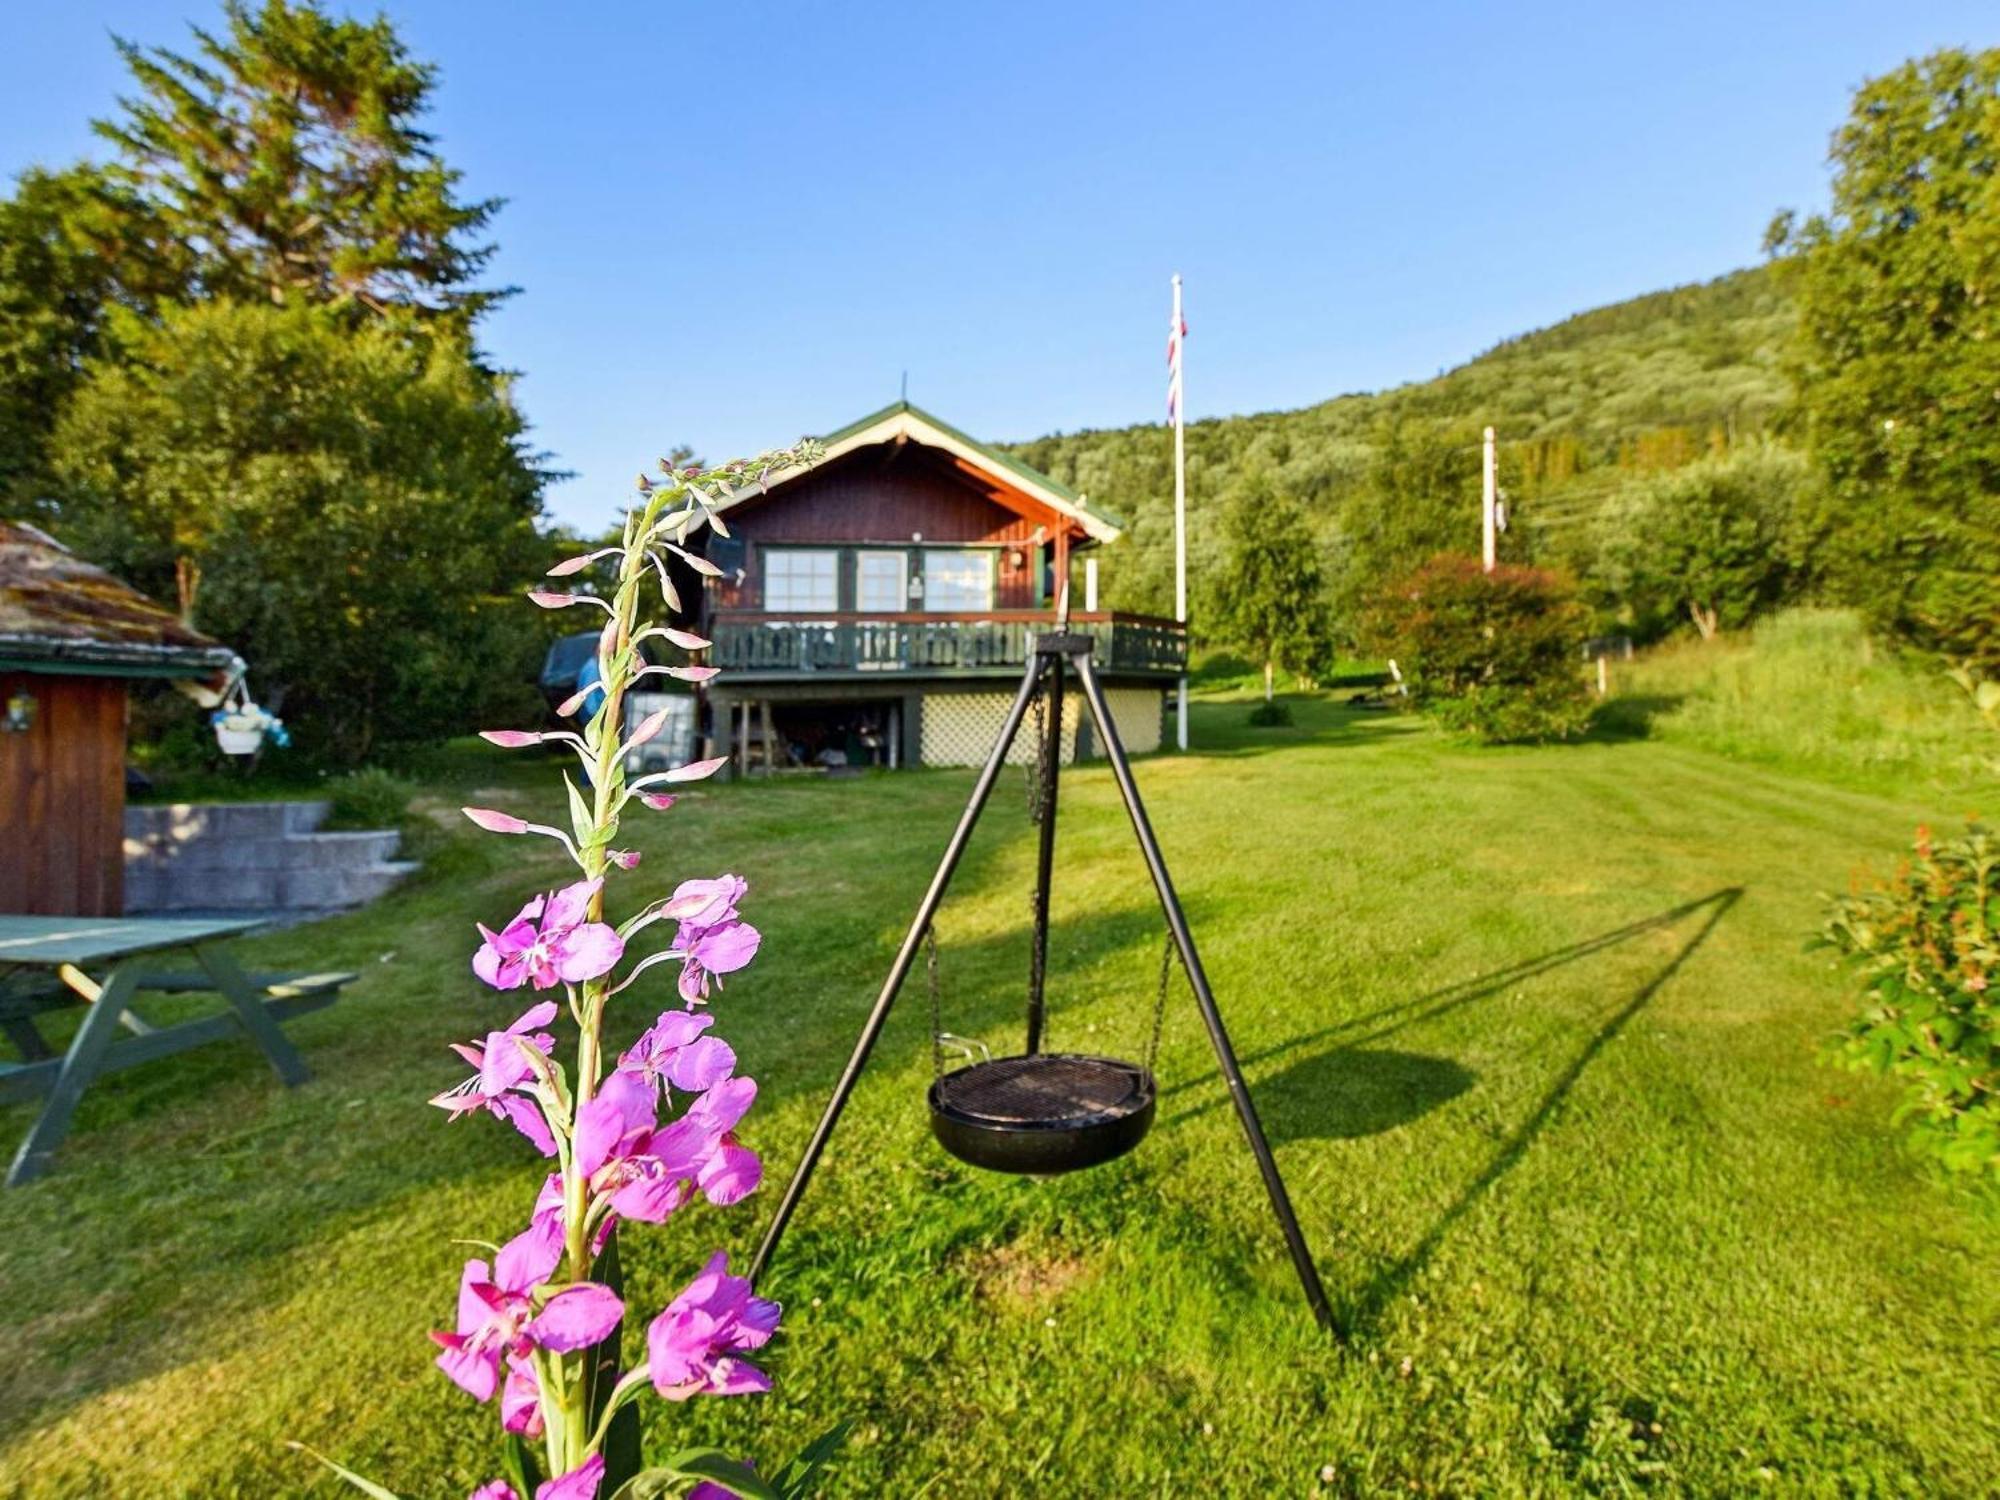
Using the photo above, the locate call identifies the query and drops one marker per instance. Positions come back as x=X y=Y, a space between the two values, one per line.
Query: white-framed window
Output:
x=881 y=582
x=805 y=579
x=957 y=579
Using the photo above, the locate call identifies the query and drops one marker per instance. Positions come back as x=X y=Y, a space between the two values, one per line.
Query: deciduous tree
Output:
x=1713 y=542
x=1271 y=596
x=350 y=501
x=1897 y=360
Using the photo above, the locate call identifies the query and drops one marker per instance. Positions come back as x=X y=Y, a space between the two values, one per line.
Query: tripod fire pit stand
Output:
x=1051 y=1112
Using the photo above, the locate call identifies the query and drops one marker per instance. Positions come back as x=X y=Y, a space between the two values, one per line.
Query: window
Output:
x=880 y=582
x=801 y=578
x=957 y=579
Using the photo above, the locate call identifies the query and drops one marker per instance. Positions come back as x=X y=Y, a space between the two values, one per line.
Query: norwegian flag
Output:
x=1176 y=331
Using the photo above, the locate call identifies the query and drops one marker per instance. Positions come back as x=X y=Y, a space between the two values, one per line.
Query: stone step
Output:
x=337 y=888
x=353 y=850
x=260 y=890
x=187 y=822
x=253 y=856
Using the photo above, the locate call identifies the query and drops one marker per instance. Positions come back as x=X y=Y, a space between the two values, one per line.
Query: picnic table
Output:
x=105 y=962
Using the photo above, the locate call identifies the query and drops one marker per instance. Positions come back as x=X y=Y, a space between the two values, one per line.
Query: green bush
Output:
x=1927 y=942
x=1273 y=715
x=1494 y=655
x=369 y=798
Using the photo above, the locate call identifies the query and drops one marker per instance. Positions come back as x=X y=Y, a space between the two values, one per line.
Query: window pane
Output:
x=800 y=578
x=957 y=580
x=879 y=585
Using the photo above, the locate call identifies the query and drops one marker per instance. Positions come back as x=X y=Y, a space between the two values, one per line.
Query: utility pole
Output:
x=1489 y=494
x=1176 y=392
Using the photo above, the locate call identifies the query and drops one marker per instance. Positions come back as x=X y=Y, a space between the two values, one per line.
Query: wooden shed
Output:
x=72 y=638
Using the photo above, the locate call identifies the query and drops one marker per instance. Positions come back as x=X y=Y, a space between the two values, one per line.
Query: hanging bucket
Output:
x=237 y=739
x=1042 y=1114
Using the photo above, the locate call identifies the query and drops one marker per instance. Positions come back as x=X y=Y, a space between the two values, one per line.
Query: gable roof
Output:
x=902 y=419
x=59 y=613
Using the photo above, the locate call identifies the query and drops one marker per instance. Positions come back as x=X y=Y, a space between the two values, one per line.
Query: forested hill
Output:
x=1581 y=407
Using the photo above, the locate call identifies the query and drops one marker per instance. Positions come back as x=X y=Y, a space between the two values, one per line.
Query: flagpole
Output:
x=1180 y=511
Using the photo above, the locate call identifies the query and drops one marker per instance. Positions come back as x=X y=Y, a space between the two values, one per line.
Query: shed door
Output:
x=62 y=796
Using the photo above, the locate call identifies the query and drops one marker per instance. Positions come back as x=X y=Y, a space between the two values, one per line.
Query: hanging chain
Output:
x=1040 y=809
x=1160 y=1002
x=1036 y=770
x=937 y=1004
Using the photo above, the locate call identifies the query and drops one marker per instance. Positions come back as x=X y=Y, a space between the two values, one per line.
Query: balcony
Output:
x=752 y=646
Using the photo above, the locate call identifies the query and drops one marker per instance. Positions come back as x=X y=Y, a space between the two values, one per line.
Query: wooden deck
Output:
x=756 y=647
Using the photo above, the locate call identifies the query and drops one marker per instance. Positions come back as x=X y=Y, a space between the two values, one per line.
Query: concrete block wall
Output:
x=252 y=856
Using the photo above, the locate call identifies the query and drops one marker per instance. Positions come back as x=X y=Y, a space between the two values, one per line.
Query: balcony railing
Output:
x=996 y=641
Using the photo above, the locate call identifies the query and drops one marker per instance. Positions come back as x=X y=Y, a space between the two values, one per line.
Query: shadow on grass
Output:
x=1389 y=1019
x=1345 y=1093
x=1225 y=733
x=1629 y=718
x=1359 y=1314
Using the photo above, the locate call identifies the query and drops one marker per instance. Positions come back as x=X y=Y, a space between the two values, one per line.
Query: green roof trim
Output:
x=1005 y=461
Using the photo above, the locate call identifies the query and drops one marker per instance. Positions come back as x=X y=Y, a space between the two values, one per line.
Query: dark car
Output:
x=566 y=658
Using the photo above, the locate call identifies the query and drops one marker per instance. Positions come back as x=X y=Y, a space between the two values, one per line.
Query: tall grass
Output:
x=1810 y=690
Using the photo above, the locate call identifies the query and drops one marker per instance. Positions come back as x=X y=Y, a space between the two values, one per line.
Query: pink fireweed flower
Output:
x=674 y=1053
x=497 y=1316
x=706 y=903
x=548 y=1218
x=729 y=1172
x=549 y=942
x=646 y=1170
x=712 y=952
x=642 y=1171
x=691 y=1347
x=580 y=1483
x=521 y=1399
x=712 y=938
x=502 y=1070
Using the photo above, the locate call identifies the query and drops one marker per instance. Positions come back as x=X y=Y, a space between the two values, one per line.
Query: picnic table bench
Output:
x=46 y=963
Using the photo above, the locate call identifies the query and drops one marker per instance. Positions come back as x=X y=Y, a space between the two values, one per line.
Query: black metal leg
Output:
x=1048 y=772
x=1225 y=1055
x=898 y=971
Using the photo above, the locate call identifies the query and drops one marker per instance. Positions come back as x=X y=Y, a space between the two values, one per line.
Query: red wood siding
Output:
x=62 y=799
x=887 y=496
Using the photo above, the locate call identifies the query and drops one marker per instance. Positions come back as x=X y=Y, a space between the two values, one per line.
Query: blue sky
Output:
x=736 y=222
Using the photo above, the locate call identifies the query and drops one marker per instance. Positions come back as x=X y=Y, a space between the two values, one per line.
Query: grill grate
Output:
x=1046 y=1089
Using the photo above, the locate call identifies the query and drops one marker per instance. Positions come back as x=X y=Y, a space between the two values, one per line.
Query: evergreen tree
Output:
x=282 y=161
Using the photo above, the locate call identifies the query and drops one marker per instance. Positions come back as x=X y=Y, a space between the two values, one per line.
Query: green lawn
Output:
x=1533 y=1032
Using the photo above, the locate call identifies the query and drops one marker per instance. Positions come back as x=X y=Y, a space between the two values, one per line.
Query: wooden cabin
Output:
x=72 y=638
x=876 y=605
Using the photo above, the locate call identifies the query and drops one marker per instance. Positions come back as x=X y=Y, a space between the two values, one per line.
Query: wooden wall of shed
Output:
x=62 y=798
x=888 y=495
